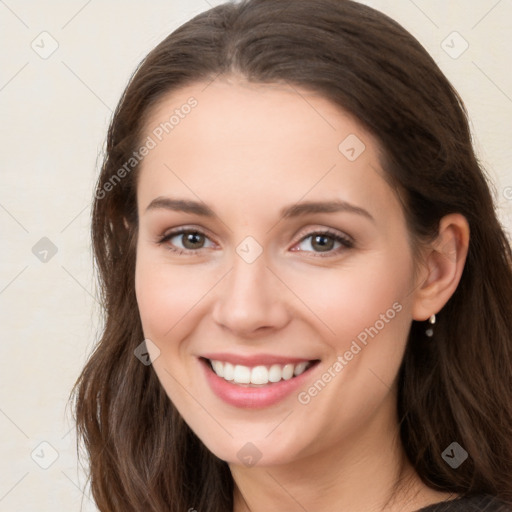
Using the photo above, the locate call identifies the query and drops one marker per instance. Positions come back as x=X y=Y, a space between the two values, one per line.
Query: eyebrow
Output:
x=181 y=205
x=308 y=207
x=295 y=210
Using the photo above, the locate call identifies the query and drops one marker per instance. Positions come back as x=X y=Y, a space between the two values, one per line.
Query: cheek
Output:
x=166 y=296
x=356 y=300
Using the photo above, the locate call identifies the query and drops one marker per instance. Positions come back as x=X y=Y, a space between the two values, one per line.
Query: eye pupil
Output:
x=193 y=240
x=322 y=242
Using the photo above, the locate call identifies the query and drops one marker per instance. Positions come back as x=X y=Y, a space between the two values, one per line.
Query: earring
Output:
x=430 y=331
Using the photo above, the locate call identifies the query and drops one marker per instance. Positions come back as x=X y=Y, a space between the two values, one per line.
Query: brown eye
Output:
x=322 y=243
x=186 y=240
x=192 y=240
x=325 y=242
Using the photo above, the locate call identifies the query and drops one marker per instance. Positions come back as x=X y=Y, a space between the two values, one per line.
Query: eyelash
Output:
x=345 y=241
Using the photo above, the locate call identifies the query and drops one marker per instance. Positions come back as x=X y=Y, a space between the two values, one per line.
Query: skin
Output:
x=247 y=151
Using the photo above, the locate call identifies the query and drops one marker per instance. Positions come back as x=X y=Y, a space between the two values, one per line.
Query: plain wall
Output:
x=54 y=117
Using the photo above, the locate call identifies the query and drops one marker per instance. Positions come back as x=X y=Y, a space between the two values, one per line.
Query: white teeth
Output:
x=300 y=368
x=288 y=371
x=242 y=374
x=218 y=367
x=275 y=373
x=258 y=374
x=229 y=371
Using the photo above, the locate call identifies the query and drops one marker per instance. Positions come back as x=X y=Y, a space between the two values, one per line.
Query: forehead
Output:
x=240 y=114
x=241 y=142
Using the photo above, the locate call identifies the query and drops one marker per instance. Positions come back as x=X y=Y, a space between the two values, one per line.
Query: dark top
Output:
x=480 y=503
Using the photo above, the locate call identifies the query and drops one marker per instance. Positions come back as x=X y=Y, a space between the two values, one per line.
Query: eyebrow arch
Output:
x=181 y=205
x=308 y=207
x=295 y=210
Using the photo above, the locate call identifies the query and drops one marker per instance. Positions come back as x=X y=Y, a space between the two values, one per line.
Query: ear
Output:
x=443 y=265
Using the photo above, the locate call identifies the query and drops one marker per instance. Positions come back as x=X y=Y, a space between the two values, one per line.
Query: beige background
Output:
x=55 y=113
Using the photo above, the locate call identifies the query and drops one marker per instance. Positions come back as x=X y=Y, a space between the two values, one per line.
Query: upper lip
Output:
x=255 y=359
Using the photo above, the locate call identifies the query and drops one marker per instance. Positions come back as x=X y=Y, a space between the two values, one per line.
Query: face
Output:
x=274 y=271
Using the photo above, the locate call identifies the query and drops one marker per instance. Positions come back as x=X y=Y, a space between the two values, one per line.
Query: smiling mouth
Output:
x=260 y=375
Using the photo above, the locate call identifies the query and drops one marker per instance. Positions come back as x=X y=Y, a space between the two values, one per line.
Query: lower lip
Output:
x=253 y=397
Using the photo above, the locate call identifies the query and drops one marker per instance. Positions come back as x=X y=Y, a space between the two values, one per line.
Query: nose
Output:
x=251 y=300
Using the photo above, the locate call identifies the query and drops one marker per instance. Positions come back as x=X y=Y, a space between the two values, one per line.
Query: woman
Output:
x=308 y=295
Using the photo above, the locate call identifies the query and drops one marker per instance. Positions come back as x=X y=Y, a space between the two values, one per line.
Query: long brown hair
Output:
x=455 y=388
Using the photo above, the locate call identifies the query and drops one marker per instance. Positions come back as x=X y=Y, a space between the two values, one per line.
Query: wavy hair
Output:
x=456 y=387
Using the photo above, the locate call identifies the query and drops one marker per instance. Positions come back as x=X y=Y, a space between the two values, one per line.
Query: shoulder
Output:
x=478 y=503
